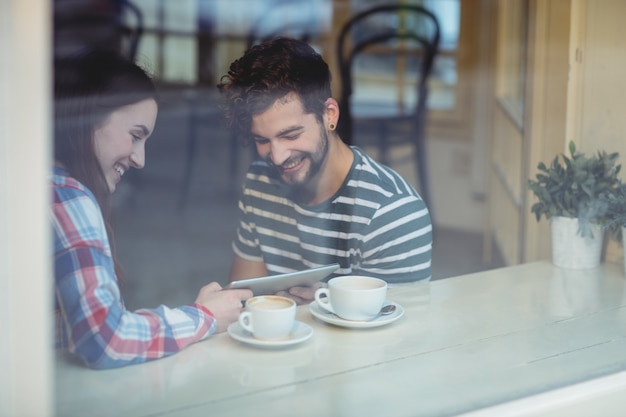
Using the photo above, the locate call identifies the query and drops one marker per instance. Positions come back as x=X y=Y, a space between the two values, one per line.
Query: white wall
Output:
x=25 y=272
x=455 y=204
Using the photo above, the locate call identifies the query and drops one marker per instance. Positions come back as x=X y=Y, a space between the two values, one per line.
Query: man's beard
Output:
x=302 y=190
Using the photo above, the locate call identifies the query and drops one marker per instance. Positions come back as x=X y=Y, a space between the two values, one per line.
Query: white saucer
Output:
x=299 y=333
x=330 y=318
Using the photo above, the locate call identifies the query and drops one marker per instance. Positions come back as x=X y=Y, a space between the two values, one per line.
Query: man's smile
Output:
x=291 y=164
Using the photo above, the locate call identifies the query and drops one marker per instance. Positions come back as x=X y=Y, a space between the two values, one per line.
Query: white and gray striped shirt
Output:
x=375 y=225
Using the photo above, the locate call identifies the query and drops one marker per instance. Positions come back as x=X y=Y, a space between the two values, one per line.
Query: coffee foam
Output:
x=270 y=303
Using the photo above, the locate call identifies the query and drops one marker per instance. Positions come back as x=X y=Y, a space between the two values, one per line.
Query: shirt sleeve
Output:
x=397 y=245
x=100 y=330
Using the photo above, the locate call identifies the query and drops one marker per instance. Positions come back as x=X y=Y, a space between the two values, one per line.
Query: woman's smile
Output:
x=120 y=169
x=120 y=140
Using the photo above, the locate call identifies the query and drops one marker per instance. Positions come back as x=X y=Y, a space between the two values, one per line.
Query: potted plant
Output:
x=616 y=214
x=616 y=211
x=572 y=196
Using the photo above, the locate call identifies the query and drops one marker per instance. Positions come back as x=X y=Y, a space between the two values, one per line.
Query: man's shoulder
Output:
x=372 y=176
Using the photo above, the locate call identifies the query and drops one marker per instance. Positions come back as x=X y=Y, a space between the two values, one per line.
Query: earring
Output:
x=331 y=126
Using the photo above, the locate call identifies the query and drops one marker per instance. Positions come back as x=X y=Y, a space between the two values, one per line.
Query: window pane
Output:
x=379 y=71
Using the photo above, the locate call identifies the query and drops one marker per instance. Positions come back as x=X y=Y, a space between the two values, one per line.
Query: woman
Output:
x=105 y=110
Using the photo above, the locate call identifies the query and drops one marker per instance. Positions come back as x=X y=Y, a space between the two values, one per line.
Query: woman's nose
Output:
x=138 y=156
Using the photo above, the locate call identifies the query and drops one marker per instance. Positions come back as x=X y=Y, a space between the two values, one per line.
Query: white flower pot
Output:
x=570 y=249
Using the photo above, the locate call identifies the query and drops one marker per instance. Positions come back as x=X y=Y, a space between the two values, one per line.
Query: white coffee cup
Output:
x=353 y=297
x=269 y=316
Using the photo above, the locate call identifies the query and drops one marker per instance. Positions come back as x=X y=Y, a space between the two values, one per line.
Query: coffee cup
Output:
x=269 y=317
x=353 y=297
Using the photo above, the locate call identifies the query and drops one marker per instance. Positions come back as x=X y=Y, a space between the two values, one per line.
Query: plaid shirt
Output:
x=91 y=319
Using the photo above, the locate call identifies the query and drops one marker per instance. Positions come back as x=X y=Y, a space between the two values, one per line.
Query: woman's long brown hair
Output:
x=87 y=88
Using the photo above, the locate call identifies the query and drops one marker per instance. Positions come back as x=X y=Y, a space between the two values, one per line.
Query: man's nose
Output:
x=279 y=153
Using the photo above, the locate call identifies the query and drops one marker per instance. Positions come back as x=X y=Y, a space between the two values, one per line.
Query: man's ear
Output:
x=331 y=111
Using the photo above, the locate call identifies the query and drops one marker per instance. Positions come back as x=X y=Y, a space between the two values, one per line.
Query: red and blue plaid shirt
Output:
x=91 y=319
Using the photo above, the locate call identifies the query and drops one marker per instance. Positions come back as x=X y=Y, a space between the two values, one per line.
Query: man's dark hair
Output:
x=268 y=72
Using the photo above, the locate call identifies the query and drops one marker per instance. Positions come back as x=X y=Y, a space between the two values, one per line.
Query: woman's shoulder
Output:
x=66 y=187
x=73 y=201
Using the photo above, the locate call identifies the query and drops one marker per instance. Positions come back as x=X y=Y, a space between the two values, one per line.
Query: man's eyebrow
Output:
x=281 y=134
x=290 y=130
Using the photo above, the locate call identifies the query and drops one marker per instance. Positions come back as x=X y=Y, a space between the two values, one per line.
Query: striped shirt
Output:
x=89 y=311
x=375 y=225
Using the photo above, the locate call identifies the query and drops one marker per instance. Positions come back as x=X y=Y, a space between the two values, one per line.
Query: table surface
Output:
x=464 y=344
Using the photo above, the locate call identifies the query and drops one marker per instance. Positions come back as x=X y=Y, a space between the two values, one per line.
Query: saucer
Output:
x=299 y=333
x=331 y=318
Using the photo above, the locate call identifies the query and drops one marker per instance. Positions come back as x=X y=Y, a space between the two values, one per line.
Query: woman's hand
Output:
x=224 y=304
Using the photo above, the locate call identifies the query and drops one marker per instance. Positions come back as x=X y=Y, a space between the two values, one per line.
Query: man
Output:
x=310 y=199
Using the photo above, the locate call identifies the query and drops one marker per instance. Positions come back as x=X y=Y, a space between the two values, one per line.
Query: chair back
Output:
x=406 y=35
x=298 y=19
x=119 y=27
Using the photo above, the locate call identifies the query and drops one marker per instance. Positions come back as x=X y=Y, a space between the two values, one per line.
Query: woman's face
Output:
x=119 y=141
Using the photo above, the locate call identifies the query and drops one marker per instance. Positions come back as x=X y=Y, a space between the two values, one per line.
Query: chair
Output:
x=401 y=38
x=117 y=25
x=305 y=25
x=89 y=24
x=271 y=23
x=304 y=22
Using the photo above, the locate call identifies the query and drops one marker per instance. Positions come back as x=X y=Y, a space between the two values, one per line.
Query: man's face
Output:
x=292 y=141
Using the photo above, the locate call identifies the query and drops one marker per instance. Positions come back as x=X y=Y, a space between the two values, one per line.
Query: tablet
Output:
x=274 y=283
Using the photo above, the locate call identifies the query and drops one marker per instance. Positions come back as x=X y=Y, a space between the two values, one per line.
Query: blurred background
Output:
x=175 y=219
x=522 y=79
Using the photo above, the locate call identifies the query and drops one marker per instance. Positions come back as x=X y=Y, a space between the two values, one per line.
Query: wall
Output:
x=25 y=284
x=599 y=68
x=574 y=91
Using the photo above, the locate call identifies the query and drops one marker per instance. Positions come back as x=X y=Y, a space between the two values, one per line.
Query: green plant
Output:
x=616 y=211
x=578 y=188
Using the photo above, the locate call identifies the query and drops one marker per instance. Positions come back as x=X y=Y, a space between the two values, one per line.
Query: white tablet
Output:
x=274 y=283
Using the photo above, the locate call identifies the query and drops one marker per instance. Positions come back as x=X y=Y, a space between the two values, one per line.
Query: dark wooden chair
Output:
x=398 y=42
x=268 y=24
x=112 y=24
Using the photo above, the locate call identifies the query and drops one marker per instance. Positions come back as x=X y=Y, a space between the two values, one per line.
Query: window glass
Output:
x=380 y=72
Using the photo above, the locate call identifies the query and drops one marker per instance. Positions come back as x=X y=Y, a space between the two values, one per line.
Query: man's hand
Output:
x=302 y=295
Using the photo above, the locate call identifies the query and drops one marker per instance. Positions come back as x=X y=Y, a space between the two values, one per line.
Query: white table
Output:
x=528 y=337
